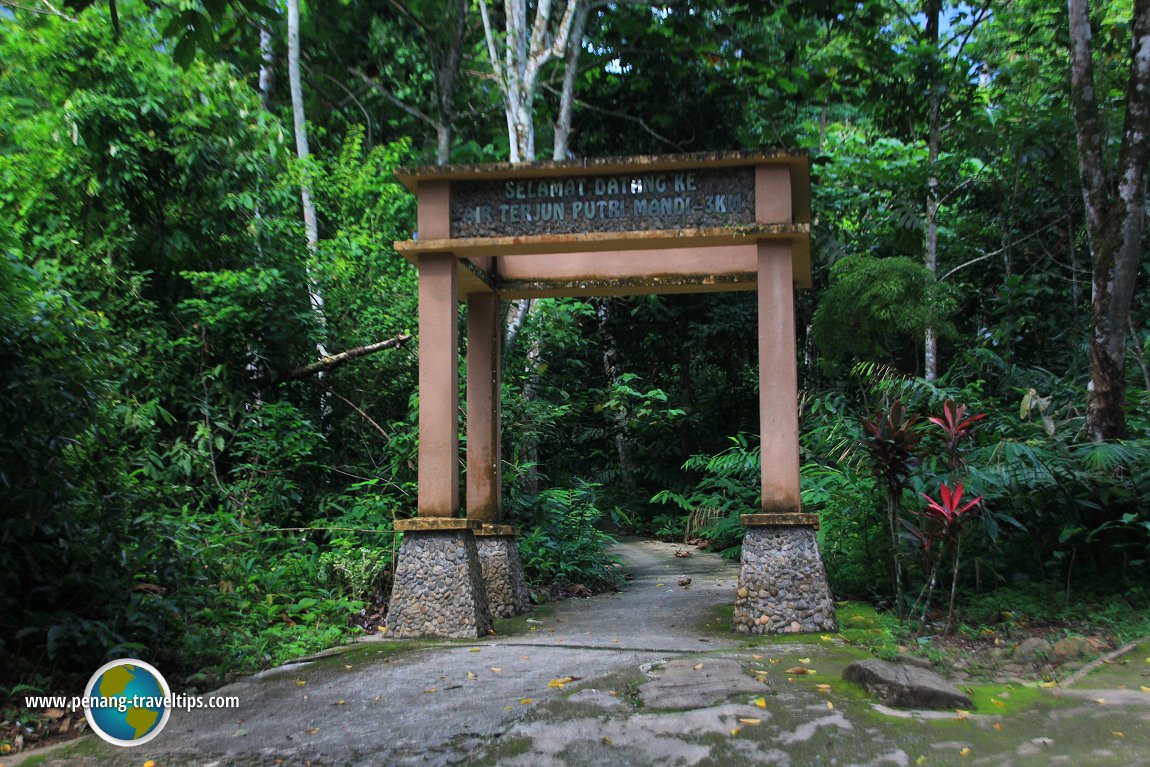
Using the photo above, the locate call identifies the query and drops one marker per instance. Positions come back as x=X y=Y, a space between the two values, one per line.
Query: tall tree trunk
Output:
x=1115 y=212
x=267 y=66
x=311 y=226
x=445 y=75
x=570 y=75
x=933 y=144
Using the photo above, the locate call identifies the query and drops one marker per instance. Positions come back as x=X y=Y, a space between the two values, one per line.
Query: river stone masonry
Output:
x=782 y=583
x=438 y=588
x=507 y=594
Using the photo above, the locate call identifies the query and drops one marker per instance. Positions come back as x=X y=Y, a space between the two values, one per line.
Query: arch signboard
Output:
x=608 y=226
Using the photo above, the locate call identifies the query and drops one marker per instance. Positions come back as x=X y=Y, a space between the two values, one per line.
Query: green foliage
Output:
x=172 y=503
x=874 y=303
x=564 y=545
x=728 y=489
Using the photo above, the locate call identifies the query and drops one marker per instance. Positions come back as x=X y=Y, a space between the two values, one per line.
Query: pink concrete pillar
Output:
x=438 y=386
x=778 y=381
x=484 y=471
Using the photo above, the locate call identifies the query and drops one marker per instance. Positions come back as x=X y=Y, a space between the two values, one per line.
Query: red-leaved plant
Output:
x=957 y=427
x=890 y=440
x=947 y=517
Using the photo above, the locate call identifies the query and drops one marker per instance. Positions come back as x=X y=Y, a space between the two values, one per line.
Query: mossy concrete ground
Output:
x=563 y=687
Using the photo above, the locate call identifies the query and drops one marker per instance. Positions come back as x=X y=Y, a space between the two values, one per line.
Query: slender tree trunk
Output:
x=311 y=226
x=267 y=66
x=1115 y=212
x=445 y=76
x=953 y=584
x=933 y=143
x=299 y=121
x=892 y=513
x=516 y=316
x=570 y=75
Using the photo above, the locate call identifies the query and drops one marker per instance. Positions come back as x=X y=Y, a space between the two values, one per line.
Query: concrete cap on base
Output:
x=492 y=530
x=436 y=524
x=780 y=520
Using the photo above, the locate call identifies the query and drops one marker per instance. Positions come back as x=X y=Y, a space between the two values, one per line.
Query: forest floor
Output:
x=650 y=675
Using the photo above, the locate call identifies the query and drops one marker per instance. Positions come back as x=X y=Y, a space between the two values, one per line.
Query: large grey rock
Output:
x=904 y=686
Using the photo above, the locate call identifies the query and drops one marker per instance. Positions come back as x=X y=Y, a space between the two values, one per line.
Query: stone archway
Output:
x=610 y=226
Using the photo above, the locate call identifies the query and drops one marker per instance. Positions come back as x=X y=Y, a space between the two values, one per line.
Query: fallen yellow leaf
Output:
x=1118 y=734
x=736 y=731
x=698 y=667
x=660 y=584
x=347 y=666
x=761 y=702
x=1047 y=684
x=1100 y=701
x=962 y=714
x=311 y=730
x=496 y=669
x=475 y=649
x=920 y=761
x=830 y=706
x=300 y=683
x=430 y=690
x=804 y=660
x=559 y=683
x=997 y=725
x=751 y=720
x=965 y=751
x=471 y=675
x=150 y=763
x=339 y=703
x=823 y=687
x=776 y=660
x=757 y=657
x=826 y=638
x=607 y=740
x=799 y=670
x=1144 y=688
x=997 y=702
x=526 y=701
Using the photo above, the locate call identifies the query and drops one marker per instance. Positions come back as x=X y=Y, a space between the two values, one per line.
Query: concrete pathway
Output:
x=649 y=676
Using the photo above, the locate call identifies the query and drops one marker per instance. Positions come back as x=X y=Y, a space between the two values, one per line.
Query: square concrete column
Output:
x=484 y=471
x=438 y=386
x=782 y=582
x=778 y=381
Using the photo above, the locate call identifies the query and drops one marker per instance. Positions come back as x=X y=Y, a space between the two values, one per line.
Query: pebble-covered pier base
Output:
x=782 y=584
x=438 y=588
x=507 y=594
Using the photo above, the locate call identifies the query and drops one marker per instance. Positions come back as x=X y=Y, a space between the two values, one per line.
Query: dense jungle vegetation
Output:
x=177 y=484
